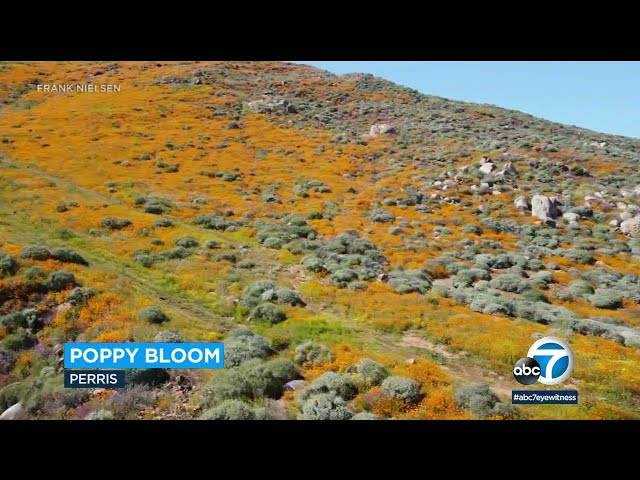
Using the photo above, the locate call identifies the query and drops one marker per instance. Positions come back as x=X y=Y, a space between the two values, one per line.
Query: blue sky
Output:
x=601 y=96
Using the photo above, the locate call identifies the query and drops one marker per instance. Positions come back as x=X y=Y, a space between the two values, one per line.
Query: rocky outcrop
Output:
x=522 y=203
x=508 y=169
x=487 y=167
x=382 y=129
x=14 y=412
x=272 y=105
x=544 y=208
x=631 y=227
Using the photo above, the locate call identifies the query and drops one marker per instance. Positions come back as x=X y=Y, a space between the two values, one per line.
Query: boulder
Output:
x=382 y=129
x=522 y=203
x=294 y=385
x=631 y=227
x=487 y=168
x=544 y=208
x=571 y=217
x=508 y=169
x=14 y=412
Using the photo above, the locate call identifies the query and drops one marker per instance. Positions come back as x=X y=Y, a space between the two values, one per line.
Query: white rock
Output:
x=621 y=206
x=14 y=412
x=522 y=203
x=487 y=168
x=382 y=129
x=543 y=208
x=614 y=223
x=625 y=216
x=631 y=227
x=509 y=169
x=571 y=217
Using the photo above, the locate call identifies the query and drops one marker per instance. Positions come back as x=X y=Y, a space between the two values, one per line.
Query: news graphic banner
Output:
x=143 y=355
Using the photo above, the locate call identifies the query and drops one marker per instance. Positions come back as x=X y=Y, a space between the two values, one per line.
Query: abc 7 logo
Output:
x=549 y=361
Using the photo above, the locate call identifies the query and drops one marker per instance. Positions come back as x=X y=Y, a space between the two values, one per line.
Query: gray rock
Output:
x=625 y=216
x=294 y=385
x=631 y=227
x=571 y=217
x=509 y=169
x=522 y=203
x=14 y=412
x=382 y=129
x=544 y=208
x=487 y=168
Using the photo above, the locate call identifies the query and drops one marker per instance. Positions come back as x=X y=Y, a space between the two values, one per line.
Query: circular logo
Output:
x=526 y=371
x=555 y=358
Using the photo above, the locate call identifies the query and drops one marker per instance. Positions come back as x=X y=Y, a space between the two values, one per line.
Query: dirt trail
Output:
x=460 y=368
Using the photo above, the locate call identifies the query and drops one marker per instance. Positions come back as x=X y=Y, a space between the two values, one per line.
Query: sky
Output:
x=601 y=96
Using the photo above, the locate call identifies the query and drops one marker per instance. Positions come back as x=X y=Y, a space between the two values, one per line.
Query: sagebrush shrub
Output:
x=325 y=406
x=268 y=312
x=333 y=383
x=60 y=280
x=68 y=256
x=479 y=398
x=402 y=388
x=8 y=265
x=242 y=344
x=230 y=410
x=113 y=223
x=310 y=353
x=372 y=372
x=153 y=314
x=35 y=252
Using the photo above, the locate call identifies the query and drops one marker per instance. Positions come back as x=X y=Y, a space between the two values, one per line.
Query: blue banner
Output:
x=143 y=355
x=94 y=378
x=544 y=397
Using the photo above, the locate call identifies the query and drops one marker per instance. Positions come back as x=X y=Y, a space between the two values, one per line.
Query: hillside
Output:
x=387 y=248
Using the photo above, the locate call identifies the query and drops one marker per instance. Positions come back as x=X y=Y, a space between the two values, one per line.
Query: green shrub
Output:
x=325 y=406
x=365 y=416
x=402 y=388
x=59 y=280
x=8 y=265
x=311 y=354
x=230 y=410
x=580 y=256
x=35 y=252
x=372 y=372
x=534 y=295
x=153 y=314
x=581 y=288
x=67 y=255
x=113 y=223
x=605 y=298
x=163 y=223
x=268 y=312
x=186 y=242
x=509 y=283
x=21 y=339
x=252 y=380
x=242 y=345
x=479 y=398
x=101 y=414
x=409 y=281
x=378 y=215
x=147 y=377
x=167 y=336
x=211 y=244
x=332 y=383
x=80 y=295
